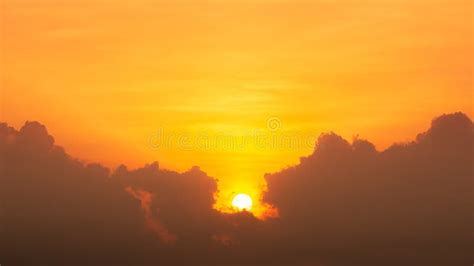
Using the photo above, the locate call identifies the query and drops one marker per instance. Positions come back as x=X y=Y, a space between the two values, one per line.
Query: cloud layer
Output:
x=345 y=204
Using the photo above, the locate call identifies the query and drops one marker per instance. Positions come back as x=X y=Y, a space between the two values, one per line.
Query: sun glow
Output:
x=242 y=202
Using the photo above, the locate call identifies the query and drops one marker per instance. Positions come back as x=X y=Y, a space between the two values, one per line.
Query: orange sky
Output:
x=109 y=77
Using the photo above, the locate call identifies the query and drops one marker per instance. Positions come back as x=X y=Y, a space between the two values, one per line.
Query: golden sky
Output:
x=109 y=78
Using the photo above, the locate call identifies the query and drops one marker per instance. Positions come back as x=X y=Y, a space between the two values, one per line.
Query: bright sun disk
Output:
x=242 y=202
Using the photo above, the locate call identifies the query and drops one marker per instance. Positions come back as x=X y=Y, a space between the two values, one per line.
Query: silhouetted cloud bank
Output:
x=345 y=204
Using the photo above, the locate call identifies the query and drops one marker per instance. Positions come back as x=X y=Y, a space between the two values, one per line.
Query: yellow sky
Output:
x=110 y=77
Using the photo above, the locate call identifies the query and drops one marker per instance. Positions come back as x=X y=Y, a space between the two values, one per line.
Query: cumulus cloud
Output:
x=409 y=203
x=345 y=204
x=50 y=202
x=153 y=224
x=56 y=209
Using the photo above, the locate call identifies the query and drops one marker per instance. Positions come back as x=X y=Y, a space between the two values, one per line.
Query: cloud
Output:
x=345 y=204
x=56 y=209
x=154 y=224
x=409 y=203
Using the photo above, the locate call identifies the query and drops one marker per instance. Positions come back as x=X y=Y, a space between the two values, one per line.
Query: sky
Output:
x=226 y=85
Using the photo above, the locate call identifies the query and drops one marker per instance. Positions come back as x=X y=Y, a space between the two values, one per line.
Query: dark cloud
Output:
x=411 y=203
x=345 y=204
x=54 y=208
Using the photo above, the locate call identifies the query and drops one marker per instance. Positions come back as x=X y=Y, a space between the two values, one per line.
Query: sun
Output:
x=242 y=202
